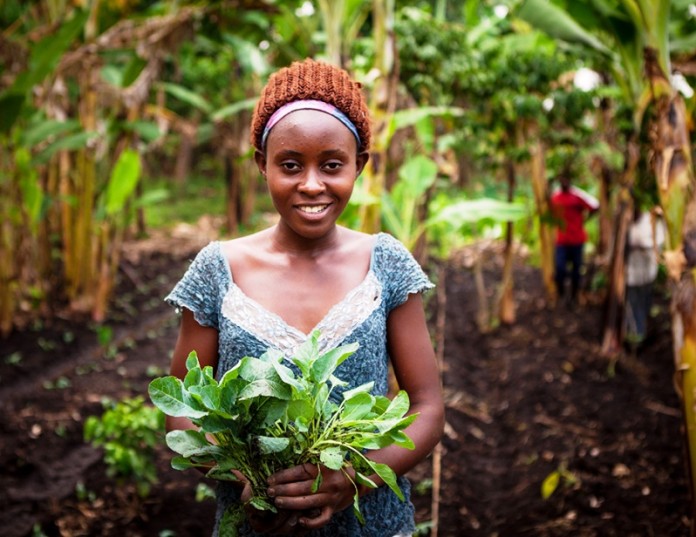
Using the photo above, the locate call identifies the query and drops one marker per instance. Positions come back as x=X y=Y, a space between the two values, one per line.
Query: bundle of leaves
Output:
x=264 y=416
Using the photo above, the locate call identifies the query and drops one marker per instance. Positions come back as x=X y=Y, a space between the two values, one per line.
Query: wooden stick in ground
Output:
x=440 y=353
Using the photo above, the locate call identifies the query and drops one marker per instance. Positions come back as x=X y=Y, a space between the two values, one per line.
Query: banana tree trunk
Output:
x=541 y=198
x=506 y=303
x=382 y=108
x=671 y=161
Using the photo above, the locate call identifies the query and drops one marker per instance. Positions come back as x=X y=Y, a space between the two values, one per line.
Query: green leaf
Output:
x=268 y=444
x=356 y=509
x=317 y=482
x=124 y=179
x=222 y=474
x=306 y=354
x=48 y=128
x=216 y=423
x=288 y=377
x=300 y=408
x=550 y=484
x=387 y=425
x=362 y=479
x=324 y=366
x=182 y=463
x=556 y=22
x=229 y=394
x=194 y=377
x=187 y=96
x=209 y=395
x=387 y=475
x=358 y=406
x=367 y=387
x=233 y=109
x=187 y=442
x=149 y=131
x=398 y=406
x=252 y=369
x=72 y=142
x=192 y=361
x=231 y=520
x=332 y=457
x=169 y=395
x=265 y=388
x=262 y=504
x=465 y=212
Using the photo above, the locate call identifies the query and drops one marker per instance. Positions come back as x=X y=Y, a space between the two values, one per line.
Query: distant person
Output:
x=571 y=206
x=646 y=237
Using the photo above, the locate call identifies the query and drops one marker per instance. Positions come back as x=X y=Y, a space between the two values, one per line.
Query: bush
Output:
x=128 y=431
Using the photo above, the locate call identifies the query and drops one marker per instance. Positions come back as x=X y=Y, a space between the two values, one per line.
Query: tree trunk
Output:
x=184 y=156
x=671 y=160
x=506 y=304
x=541 y=198
x=382 y=107
x=232 y=206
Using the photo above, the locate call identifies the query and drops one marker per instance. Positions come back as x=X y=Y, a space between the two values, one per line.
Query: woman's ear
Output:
x=360 y=162
x=260 y=159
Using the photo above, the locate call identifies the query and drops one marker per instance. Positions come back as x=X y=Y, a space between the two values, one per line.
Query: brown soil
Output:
x=522 y=402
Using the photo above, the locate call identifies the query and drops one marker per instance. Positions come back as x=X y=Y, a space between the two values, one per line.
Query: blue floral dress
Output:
x=246 y=328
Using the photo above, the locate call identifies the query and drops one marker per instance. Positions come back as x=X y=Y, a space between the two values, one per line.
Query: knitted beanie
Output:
x=310 y=79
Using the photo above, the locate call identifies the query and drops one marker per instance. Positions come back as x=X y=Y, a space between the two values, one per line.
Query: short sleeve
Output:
x=200 y=289
x=399 y=272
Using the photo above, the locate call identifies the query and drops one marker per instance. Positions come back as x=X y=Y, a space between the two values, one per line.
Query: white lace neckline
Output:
x=270 y=328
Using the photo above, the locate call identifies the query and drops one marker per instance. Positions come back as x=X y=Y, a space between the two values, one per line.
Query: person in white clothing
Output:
x=646 y=237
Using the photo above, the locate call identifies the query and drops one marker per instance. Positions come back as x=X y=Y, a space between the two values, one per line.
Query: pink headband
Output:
x=309 y=104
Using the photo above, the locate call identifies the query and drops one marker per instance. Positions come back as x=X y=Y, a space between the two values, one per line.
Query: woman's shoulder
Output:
x=244 y=245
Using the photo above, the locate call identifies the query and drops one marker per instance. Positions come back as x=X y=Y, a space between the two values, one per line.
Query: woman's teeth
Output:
x=312 y=209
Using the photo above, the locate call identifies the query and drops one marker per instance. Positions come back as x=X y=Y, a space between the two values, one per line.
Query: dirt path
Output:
x=535 y=398
x=523 y=402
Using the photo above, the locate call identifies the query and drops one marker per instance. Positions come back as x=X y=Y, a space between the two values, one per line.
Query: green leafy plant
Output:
x=264 y=416
x=128 y=432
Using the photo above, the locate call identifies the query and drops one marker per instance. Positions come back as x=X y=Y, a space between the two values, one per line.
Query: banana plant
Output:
x=454 y=217
x=403 y=205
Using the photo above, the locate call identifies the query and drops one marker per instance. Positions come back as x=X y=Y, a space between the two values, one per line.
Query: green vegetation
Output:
x=128 y=432
x=262 y=417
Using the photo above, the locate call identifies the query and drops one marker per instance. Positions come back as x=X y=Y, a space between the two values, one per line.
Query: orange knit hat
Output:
x=311 y=79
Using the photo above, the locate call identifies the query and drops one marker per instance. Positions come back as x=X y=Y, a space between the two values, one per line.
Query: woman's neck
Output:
x=286 y=242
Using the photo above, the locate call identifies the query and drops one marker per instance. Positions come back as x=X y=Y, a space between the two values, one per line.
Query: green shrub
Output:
x=128 y=431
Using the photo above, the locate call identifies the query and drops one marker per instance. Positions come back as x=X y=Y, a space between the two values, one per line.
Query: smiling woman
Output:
x=275 y=288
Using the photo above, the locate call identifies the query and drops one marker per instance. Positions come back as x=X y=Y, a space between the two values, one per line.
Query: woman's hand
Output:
x=291 y=490
x=284 y=522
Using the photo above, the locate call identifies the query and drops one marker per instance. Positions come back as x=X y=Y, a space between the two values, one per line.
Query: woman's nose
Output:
x=312 y=183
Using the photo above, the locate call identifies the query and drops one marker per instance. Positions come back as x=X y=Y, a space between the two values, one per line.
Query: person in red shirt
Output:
x=570 y=206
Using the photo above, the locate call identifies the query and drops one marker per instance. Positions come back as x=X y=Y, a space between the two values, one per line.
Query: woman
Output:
x=311 y=132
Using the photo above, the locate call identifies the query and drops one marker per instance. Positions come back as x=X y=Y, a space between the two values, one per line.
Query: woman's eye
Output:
x=290 y=166
x=333 y=166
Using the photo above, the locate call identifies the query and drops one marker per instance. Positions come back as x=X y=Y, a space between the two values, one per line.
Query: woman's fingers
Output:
x=315 y=522
x=303 y=472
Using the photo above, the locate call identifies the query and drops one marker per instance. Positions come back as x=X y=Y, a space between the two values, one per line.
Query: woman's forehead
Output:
x=304 y=124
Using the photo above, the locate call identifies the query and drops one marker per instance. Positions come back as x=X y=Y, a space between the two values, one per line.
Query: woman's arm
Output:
x=417 y=372
x=192 y=337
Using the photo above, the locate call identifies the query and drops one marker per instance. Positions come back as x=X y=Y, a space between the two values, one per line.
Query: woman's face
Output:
x=311 y=163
